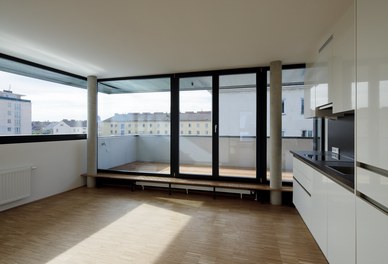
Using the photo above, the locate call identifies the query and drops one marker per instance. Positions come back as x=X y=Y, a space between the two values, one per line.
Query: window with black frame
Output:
x=39 y=101
x=134 y=130
x=297 y=131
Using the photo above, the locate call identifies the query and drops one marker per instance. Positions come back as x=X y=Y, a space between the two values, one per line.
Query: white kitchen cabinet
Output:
x=330 y=78
x=371 y=128
x=317 y=77
x=302 y=201
x=319 y=210
x=309 y=91
x=328 y=210
x=341 y=224
x=342 y=89
x=323 y=73
x=302 y=184
x=372 y=234
x=310 y=199
x=372 y=83
x=304 y=174
x=373 y=185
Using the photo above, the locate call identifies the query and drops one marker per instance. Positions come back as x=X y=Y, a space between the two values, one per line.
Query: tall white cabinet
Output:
x=372 y=233
x=372 y=83
x=372 y=131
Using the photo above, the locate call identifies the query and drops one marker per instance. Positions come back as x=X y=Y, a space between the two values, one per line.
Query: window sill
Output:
x=40 y=138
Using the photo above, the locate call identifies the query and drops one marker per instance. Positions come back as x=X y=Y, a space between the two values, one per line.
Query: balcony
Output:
x=151 y=154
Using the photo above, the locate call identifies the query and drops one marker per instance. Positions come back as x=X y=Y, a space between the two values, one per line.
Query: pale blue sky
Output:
x=54 y=102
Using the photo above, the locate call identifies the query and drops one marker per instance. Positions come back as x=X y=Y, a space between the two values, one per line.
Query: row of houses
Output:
x=63 y=127
x=15 y=118
x=191 y=123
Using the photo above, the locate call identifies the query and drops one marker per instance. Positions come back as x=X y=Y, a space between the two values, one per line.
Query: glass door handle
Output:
x=215 y=128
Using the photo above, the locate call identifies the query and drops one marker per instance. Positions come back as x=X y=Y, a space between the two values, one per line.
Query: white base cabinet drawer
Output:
x=302 y=202
x=373 y=185
x=303 y=173
x=372 y=234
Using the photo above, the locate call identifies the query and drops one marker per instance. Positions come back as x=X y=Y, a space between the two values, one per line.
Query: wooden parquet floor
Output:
x=114 y=225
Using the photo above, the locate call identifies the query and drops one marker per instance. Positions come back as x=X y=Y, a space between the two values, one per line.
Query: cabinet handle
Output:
x=373 y=203
x=304 y=189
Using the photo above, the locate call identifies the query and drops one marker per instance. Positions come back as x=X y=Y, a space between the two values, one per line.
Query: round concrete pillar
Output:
x=276 y=132
x=92 y=131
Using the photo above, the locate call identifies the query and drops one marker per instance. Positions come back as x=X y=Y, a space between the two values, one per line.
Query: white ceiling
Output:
x=118 y=38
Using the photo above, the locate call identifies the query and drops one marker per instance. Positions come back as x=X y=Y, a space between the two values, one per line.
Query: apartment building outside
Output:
x=15 y=114
x=199 y=123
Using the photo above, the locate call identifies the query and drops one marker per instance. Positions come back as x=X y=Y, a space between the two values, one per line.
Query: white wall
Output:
x=195 y=150
x=288 y=144
x=115 y=151
x=237 y=113
x=153 y=148
x=237 y=152
x=293 y=121
x=59 y=165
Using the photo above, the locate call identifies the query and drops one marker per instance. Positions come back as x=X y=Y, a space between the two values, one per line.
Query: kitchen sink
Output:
x=342 y=169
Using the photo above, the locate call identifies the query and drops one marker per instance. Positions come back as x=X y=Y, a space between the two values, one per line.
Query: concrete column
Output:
x=92 y=131
x=276 y=131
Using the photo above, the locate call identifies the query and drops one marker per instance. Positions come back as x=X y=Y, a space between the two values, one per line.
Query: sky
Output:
x=54 y=102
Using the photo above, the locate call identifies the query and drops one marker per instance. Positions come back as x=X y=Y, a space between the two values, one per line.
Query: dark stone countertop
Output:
x=330 y=165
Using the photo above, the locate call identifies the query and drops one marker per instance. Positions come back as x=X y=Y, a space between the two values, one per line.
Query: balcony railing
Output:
x=151 y=153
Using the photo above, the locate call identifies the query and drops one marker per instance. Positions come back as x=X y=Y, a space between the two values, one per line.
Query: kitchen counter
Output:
x=336 y=167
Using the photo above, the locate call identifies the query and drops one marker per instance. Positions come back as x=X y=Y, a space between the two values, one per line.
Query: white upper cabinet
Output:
x=322 y=73
x=317 y=78
x=372 y=83
x=309 y=91
x=342 y=90
x=331 y=77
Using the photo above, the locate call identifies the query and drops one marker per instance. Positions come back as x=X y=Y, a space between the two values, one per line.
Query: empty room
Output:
x=174 y=131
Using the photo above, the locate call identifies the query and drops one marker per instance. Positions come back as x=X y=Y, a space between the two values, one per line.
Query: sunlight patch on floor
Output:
x=185 y=202
x=140 y=236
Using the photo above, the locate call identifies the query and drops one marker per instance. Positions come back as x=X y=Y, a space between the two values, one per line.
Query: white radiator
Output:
x=15 y=184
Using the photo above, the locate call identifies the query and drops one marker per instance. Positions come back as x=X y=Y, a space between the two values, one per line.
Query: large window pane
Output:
x=30 y=106
x=237 y=121
x=134 y=127
x=297 y=132
x=195 y=125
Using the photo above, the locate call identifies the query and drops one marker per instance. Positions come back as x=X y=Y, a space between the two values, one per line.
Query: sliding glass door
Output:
x=195 y=125
x=237 y=125
x=134 y=127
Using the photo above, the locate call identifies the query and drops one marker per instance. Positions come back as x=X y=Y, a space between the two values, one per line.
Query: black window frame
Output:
x=261 y=101
x=58 y=76
x=38 y=71
x=261 y=122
